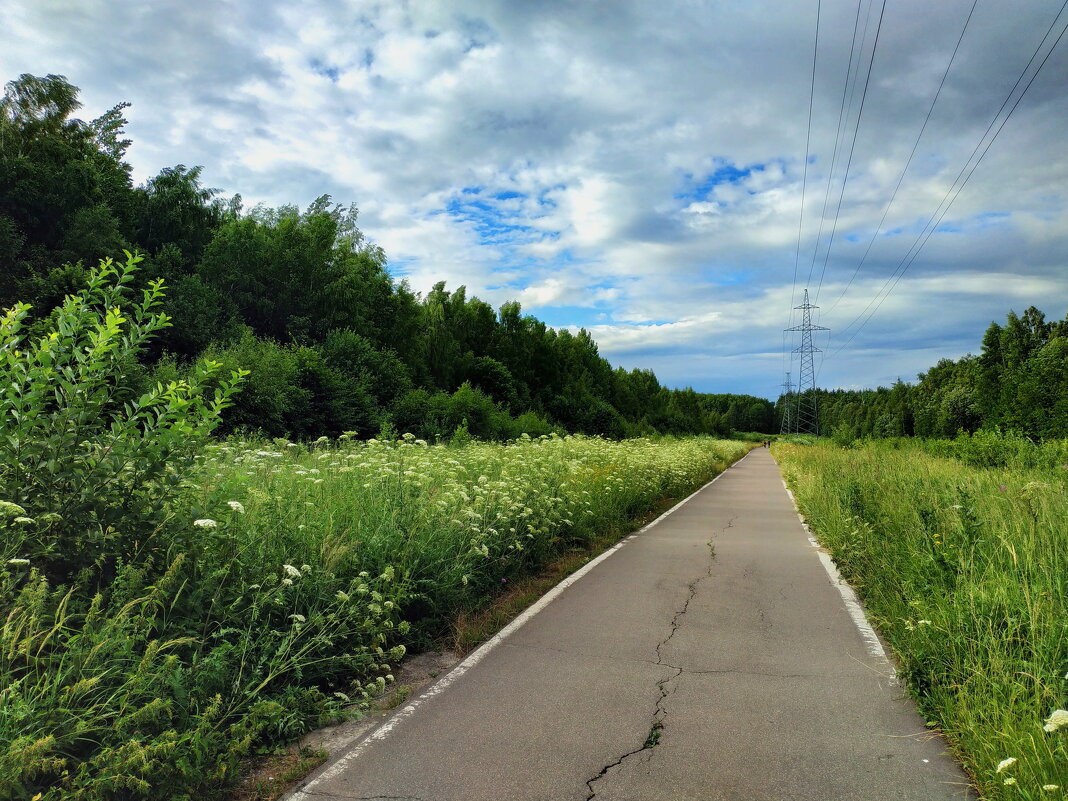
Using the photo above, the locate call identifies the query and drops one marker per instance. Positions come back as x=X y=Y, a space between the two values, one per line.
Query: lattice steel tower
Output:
x=807 y=419
x=787 y=426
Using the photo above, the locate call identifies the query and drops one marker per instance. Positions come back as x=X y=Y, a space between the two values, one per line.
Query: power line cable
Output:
x=849 y=161
x=928 y=230
x=804 y=178
x=846 y=92
x=808 y=142
x=908 y=162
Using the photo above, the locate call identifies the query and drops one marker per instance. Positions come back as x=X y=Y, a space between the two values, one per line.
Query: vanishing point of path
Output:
x=708 y=658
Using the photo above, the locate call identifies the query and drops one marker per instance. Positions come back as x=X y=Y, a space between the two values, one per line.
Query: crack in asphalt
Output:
x=688 y=671
x=659 y=711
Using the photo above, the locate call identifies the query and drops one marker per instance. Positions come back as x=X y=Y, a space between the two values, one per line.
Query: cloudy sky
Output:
x=632 y=167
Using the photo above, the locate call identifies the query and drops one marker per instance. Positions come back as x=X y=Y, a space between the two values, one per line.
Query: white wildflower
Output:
x=288 y=582
x=205 y=522
x=1051 y=787
x=236 y=506
x=923 y=622
x=305 y=568
x=8 y=509
x=1057 y=719
x=1005 y=763
x=291 y=571
x=297 y=618
x=23 y=520
x=1010 y=780
x=18 y=561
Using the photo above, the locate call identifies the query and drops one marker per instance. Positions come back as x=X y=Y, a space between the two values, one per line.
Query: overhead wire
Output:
x=849 y=161
x=955 y=190
x=804 y=178
x=846 y=92
x=908 y=161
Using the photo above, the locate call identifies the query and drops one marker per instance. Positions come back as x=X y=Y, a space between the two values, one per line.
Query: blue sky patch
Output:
x=327 y=71
x=698 y=187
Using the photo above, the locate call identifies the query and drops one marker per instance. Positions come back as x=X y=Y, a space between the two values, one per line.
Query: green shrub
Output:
x=381 y=371
x=270 y=391
x=844 y=435
x=93 y=465
x=533 y=425
x=177 y=646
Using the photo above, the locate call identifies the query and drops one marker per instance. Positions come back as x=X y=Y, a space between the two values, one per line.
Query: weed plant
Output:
x=965 y=572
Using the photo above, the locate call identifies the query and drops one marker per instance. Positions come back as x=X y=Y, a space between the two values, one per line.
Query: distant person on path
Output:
x=767 y=442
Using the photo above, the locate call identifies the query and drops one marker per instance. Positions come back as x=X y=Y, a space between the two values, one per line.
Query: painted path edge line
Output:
x=849 y=596
x=304 y=792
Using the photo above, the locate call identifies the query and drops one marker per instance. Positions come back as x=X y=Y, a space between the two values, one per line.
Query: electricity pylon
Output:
x=807 y=420
x=787 y=426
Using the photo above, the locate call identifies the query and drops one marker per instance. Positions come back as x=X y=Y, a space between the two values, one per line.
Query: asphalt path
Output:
x=709 y=657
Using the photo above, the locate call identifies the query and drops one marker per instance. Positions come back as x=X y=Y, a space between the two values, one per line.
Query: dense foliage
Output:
x=305 y=302
x=169 y=604
x=1018 y=382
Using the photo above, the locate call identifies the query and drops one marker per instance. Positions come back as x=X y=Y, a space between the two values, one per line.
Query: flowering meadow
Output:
x=456 y=522
x=289 y=582
x=964 y=570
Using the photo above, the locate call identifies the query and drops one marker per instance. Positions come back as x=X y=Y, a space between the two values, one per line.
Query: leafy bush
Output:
x=381 y=371
x=532 y=425
x=92 y=465
x=844 y=435
x=993 y=449
x=172 y=652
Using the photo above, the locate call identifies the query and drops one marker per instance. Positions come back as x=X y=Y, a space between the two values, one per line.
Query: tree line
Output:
x=1018 y=382
x=302 y=299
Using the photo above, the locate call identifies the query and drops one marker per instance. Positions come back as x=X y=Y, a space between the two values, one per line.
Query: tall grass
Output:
x=296 y=576
x=456 y=522
x=965 y=572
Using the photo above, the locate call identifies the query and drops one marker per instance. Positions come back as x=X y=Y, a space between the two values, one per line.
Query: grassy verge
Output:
x=965 y=572
x=282 y=591
x=457 y=525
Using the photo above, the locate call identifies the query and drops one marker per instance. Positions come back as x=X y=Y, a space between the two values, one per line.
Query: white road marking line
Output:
x=383 y=731
x=849 y=595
